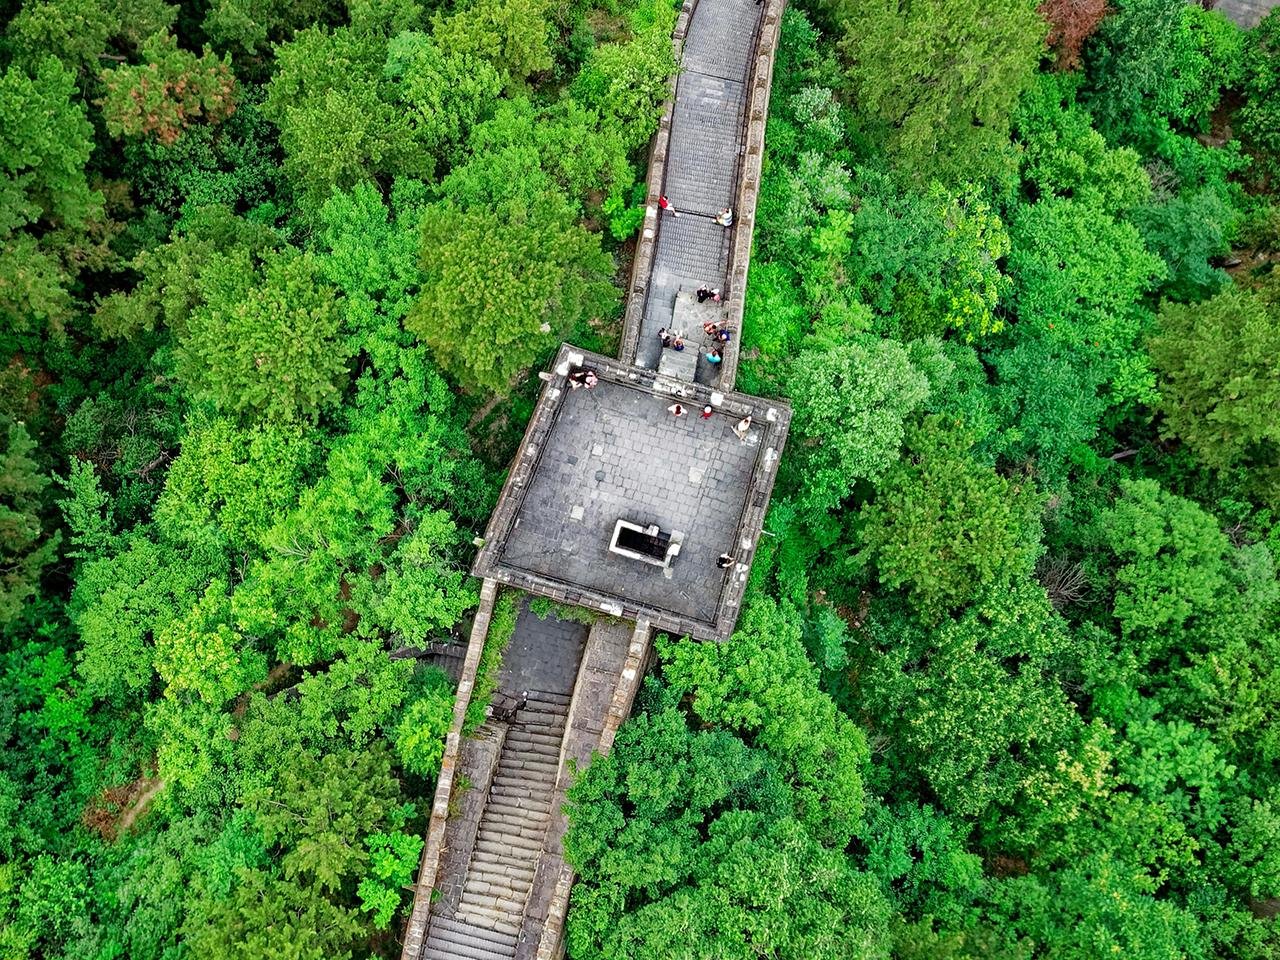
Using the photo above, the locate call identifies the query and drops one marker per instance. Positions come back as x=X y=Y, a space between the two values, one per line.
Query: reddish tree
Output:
x=1071 y=23
x=169 y=91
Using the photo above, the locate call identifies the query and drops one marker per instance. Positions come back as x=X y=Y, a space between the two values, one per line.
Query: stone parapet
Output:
x=416 y=929
x=757 y=113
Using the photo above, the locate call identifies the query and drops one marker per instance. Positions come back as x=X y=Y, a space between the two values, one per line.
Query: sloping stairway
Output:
x=504 y=860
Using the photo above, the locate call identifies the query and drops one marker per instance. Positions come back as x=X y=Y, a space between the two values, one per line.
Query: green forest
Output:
x=275 y=281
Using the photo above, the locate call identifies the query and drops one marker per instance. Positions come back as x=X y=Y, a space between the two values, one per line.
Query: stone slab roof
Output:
x=593 y=456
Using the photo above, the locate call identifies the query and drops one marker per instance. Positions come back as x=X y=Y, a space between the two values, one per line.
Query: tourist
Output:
x=711 y=328
x=725 y=217
x=583 y=377
x=678 y=343
x=704 y=294
x=713 y=355
x=665 y=204
x=676 y=410
x=725 y=560
x=665 y=336
x=706 y=412
x=723 y=335
x=743 y=427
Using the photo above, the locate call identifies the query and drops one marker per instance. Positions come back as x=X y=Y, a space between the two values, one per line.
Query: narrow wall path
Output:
x=702 y=167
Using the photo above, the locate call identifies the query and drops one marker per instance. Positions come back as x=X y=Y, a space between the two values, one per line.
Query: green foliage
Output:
x=967 y=705
x=942 y=77
x=512 y=35
x=166 y=93
x=1079 y=279
x=703 y=859
x=1064 y=156
x=230 y=483
x=852 y=402
x=46 y=203
x=420 y=735
x=502 y=626
x=1188 y=231
x=265 y=340
x=762 y=686
x=932 y=261
x=487 y=319
x=945 y=527
x=1259 y=116
x=28 y=547
x=1160 y=61
x=1219 y=393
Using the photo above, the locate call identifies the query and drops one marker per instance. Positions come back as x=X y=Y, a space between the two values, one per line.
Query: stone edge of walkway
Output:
x=757 y=117
x=415 y=935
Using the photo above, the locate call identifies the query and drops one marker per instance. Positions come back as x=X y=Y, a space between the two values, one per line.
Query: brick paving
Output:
x=614 y=453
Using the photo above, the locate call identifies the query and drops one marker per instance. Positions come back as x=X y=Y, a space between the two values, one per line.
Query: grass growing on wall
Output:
x=501 y=626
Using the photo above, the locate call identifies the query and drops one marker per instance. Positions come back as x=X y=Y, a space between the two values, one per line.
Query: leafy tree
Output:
x=947 y=527
x=166 y=93
x=493 y=279
x=969 y=706
x=1063 y=156
x=121 y=601
x=1079 y=276
x=27 y=546
x=203 y=654
x=1159 y=61
x=1171 y=558
x=79 y=32
x=229 y=485
x=943 y=77
x=268 y=916
x=852 y=401
x=1219 y=394
x=447 y=91
x=249 y=27
x=264 y=342
x=761 y=685
x=931 y=261
x=337 y=122
x=320 y=811
x=513 y=35
x=1189 y=231
x=420 y=735
x=46 y=203
x=704 y=859
x=1259 y=116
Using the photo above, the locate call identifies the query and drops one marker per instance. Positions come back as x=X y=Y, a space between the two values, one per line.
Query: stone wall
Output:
x=761 y=81
x=416 y=929
x=642 y=264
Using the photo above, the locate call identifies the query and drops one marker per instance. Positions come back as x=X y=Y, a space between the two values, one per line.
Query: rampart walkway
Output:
x=493 y=884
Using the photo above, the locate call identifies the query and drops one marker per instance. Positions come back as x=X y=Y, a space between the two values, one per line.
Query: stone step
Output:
x=453 y=925
x=548 y=697
x=505 y=845
x=498 y=884
x=496 y=913
x=521 y=796
x=535 y=739
x=520 y=787
x=467 y=944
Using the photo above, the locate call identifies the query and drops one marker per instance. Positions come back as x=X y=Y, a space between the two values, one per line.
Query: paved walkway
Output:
x=692 y=250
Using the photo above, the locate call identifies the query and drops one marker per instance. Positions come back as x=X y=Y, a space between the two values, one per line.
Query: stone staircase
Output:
x=485 y=924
